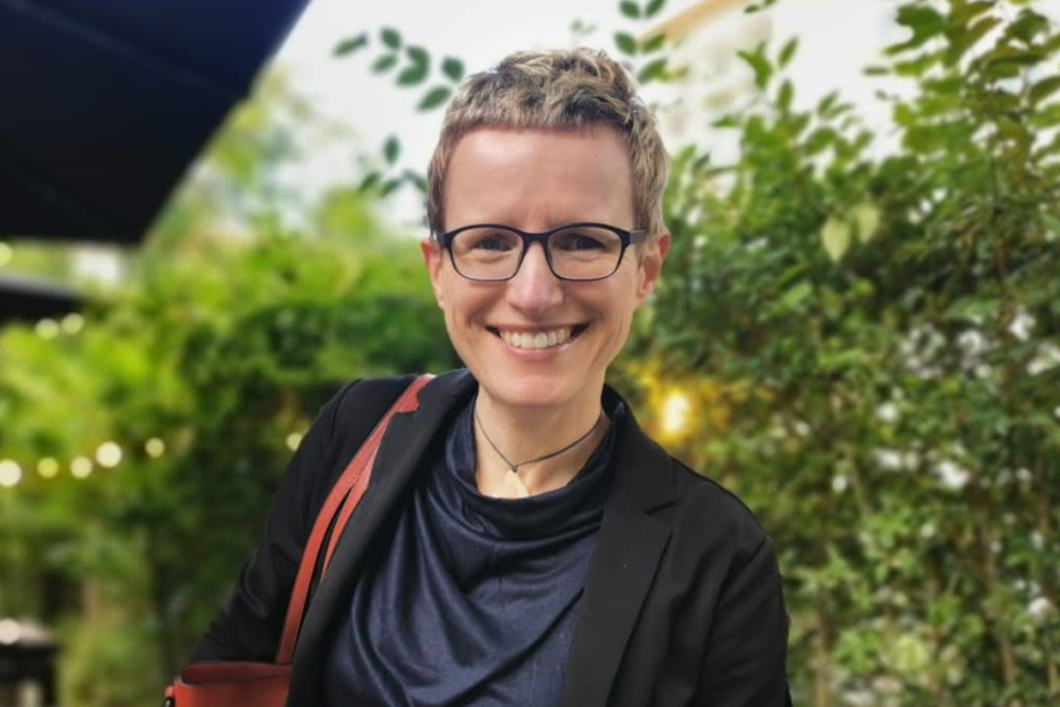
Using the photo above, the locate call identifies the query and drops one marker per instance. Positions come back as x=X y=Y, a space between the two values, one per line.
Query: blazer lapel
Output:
x=400 y=452
x=628 y=548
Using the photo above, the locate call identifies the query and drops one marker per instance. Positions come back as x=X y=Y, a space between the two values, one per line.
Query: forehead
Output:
x=535 y=178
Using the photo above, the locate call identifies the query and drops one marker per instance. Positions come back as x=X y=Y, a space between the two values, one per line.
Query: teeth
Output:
x=536 y=340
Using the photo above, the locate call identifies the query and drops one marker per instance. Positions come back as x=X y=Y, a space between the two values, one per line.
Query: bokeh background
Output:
x=858 y=329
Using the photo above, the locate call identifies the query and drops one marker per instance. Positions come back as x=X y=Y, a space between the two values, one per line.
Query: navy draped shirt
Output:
x=474 y=599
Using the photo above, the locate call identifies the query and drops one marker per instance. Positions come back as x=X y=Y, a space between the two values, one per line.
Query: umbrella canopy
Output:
x=106 y=103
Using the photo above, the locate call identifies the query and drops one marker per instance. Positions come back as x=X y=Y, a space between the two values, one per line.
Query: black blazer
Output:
x=682 y=605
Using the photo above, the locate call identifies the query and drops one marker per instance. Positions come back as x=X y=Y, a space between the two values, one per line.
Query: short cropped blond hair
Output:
x=558 y=90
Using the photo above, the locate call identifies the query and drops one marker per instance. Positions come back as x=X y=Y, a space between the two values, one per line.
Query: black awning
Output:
x=30 y=298
x=104 y=104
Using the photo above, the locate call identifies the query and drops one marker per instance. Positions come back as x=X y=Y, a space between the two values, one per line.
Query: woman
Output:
x=523 y=541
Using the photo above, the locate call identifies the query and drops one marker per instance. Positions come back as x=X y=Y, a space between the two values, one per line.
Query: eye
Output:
x=577 y=241
x=582 y=242
x=492 y=241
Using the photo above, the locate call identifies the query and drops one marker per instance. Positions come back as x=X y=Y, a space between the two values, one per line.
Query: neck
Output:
x=524 y=433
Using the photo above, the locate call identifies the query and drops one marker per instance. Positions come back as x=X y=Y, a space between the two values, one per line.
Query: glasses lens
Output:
x=487 y=253
x=585 y=252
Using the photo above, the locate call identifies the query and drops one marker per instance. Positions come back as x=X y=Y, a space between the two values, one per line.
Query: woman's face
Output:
x=535 y=180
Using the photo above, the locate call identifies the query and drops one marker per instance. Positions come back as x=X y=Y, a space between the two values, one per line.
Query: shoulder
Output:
x=709 y=521
x=705 y=519
x=363 y=398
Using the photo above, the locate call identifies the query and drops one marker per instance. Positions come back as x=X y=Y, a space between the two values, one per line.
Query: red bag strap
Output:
x=346 y=493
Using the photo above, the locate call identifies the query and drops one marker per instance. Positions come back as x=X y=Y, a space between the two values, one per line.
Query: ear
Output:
x=434 y=259
x=650 y=266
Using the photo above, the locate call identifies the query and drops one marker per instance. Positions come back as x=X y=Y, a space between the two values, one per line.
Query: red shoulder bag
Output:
x=224 y=684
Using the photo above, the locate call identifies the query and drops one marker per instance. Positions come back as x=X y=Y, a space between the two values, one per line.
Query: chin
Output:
x=528 y=390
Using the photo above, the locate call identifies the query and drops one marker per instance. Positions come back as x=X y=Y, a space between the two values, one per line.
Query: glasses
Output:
x=575 y=251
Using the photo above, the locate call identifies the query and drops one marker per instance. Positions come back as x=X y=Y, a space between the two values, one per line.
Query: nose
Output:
x=534 y=288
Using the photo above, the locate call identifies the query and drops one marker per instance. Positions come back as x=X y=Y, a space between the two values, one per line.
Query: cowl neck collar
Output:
x=557 y=512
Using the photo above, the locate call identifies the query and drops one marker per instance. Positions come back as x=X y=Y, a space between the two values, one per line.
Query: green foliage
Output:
x=204 y=368
x=654 y=7
x=630 y=9
x=385 y=63
x=390 y=37
x=453 y=68
x=884 y=333
x=434 y=98
x=626 y=43
x=759 y=63
x=647 y=69
x=869 y=337
x=350 y=45
x=391 y=149
x=654 y=69
x=416 y=73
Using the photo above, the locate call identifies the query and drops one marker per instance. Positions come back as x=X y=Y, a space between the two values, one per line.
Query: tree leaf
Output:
x=836 y=237
x=787 y=52
x=434 y=98
x=350 y=45
x=1046 y=117
x=922 y=19
x=416 y=179
x=391 y=37
x=819 y=140
x=918 y=66
x=824 y=106
x=652 y=70
x=418 y=55
x=925 y=23
x=630 y=9
x=1044 y=88
x=795 y=296
x=759 y=64
x=453 y=68
x=970 y=38
x=654 y=44
x=654 y=7
x=785 y=96
x=866 y=218
x=1027 y=26
x=965 y=13
x=369 y=181
x=384 y=63
x=626 y=43
x=417 y=71
x=391 y=149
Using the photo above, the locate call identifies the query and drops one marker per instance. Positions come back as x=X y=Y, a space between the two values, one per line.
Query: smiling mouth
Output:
x=530 y=342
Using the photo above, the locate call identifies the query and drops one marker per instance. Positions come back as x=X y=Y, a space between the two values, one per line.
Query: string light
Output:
x=72 y=323
x=47 y=329
x=155 y=447
x=10 y=473
x=48 y=468
x=675 y=413
x=10 y=632
x=108 y=455
x=81 y=467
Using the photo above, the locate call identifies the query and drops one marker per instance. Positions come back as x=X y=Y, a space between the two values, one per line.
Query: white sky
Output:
x=838 y=38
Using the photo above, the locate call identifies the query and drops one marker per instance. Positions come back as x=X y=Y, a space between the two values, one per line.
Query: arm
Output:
x=745 y=664
x=249 y=623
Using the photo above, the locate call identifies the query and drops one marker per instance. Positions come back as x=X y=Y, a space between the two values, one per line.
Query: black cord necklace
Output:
x=515 y=467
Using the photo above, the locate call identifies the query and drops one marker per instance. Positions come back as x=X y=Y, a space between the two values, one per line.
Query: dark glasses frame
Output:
x=628 y=238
